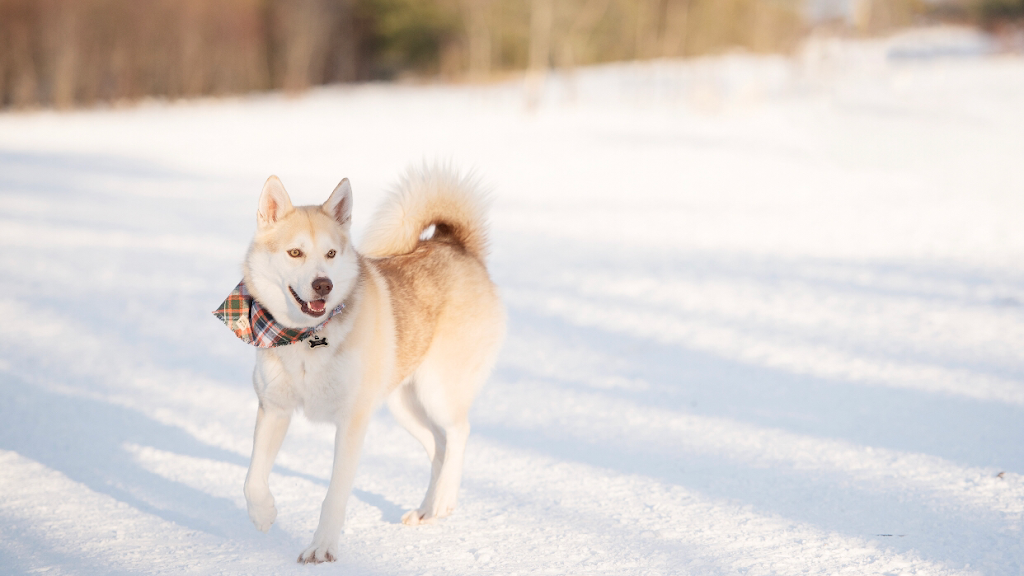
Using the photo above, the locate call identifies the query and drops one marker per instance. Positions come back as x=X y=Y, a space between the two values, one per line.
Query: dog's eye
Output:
x=331 y=253
x=295 y=252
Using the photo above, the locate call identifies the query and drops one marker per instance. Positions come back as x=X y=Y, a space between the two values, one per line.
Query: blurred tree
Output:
x=476 y=16
x=872 y=16
x=993 y=11
x=64 y=52
x=410 y=34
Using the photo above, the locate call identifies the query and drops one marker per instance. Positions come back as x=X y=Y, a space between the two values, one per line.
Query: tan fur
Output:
x=422 y=327
x=423 y=289
x=425 y=197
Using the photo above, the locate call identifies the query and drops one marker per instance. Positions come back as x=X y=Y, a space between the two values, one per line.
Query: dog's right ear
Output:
x=274 y=203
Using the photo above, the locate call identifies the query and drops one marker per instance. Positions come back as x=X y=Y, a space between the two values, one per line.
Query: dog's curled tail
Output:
x=431 y=196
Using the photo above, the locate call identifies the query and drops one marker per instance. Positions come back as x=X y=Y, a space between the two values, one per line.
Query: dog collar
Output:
x=251 y=322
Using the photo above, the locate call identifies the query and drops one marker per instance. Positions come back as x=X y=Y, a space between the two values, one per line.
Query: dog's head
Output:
x=301 y=263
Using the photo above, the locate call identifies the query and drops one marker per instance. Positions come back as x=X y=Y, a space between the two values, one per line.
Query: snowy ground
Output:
x=766 y=317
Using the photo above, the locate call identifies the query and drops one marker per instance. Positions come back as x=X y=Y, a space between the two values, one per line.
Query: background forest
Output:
x=67 y=52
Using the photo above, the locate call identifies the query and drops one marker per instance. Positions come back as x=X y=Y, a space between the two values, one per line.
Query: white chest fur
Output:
x=321 y=380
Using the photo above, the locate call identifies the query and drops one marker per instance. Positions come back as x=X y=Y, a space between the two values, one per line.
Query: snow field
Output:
x=765 y=318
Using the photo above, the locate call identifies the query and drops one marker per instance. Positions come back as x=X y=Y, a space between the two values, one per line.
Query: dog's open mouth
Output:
x=315 y=308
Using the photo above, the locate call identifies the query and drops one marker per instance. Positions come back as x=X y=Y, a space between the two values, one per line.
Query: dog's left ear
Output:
x=339 y=205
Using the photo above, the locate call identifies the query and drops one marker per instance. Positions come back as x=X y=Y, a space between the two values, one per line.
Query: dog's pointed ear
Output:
x=339 y=205
x=274 y=203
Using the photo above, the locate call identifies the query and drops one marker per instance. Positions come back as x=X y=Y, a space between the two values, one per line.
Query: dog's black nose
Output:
x=322 y=286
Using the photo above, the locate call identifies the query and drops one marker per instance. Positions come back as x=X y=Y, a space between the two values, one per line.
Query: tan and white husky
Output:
x=420 y=327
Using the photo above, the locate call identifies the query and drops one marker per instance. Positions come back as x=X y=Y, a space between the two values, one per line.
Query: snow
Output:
x=766 y=317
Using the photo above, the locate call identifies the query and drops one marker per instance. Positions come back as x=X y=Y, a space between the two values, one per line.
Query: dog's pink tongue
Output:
x=317 y=305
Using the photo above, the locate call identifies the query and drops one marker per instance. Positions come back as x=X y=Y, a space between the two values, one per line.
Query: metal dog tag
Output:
x=317 y=341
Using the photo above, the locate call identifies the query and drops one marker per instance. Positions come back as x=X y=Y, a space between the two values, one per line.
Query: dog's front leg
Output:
x=348 y=441
x=271 y=426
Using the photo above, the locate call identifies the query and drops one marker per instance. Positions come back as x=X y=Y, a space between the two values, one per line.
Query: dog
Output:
x=411 y=319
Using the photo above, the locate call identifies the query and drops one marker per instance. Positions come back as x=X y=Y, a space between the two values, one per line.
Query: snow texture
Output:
x=766 y=317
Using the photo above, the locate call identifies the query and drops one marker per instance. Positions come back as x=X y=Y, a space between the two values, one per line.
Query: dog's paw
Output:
x=317 y=553
x=262 y=512
x=417 y=517
x=428 y=515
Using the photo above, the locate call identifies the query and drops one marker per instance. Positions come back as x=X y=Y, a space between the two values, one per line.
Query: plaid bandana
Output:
x=251 y=322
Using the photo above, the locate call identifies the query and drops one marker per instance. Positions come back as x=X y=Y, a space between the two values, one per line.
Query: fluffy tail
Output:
x=431 y=196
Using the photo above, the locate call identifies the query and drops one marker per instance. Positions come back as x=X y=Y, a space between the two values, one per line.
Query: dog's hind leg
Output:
x=271 y=426
x=431 y=413
x=441 y=393
x=408 y=411
x=443 y=493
